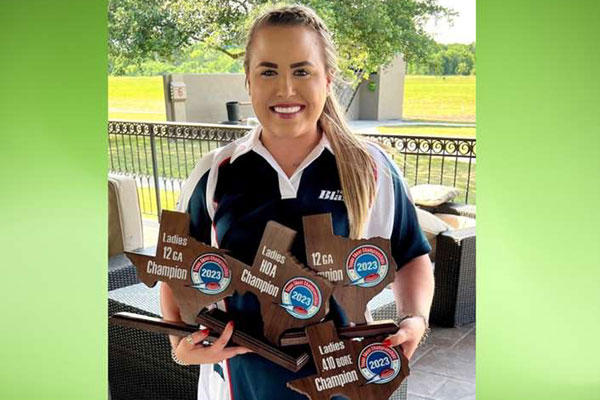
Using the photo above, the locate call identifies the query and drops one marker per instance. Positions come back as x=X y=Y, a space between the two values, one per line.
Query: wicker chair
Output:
x=454 y=297
x=139 y=362
x=454 y=271
x=121 y=272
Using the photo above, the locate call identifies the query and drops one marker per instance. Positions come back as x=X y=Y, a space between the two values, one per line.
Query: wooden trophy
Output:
x=290 y=295
x=360 y=269
x=358 y=370
x=201 y=275
x=198 y=275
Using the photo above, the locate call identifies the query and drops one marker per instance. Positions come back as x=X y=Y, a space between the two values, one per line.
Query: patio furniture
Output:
x=139 y=362
x=121 y=272
x=125 y=231
x=454 y=271
x=465 y=210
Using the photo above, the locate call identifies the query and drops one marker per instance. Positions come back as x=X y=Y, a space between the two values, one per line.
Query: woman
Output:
x=302 y=160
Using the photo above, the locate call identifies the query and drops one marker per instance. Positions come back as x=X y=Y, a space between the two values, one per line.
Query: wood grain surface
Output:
x=360 y=269
x=290 y=295
x=342 y=367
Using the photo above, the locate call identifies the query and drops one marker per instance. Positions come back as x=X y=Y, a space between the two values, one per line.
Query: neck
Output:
x=290 y=151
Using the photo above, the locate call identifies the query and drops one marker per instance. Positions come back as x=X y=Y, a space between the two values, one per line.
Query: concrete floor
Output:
x=444 y=367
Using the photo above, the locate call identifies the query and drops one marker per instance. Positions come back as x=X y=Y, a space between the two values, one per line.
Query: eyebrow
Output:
x=294 y=65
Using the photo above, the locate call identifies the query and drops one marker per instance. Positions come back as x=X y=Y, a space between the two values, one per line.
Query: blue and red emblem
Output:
x=367 y=266
x=301 y=298
x=210 y=274
x=379 y=364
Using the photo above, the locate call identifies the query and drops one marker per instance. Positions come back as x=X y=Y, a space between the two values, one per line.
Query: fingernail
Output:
x=232 y=324
x=387 y=342
x=205 y=331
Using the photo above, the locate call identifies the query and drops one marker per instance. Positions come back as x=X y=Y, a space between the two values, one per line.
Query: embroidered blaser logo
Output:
x=331 y=195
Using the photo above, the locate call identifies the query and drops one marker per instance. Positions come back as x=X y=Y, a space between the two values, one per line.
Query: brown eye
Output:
x=268 y=72
x=301 y=72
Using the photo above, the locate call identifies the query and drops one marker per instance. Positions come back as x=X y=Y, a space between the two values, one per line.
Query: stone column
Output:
x=382 y=95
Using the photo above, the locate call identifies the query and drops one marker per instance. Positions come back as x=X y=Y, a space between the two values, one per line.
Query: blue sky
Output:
x=463 y=29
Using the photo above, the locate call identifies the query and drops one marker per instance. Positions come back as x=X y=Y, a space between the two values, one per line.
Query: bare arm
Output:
x=169 y=309
x=413 y=291
x=413 y=287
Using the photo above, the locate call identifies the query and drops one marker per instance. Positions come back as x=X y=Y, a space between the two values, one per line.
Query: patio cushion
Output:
x=456 y=221
x=433 y=195
x=125 y=231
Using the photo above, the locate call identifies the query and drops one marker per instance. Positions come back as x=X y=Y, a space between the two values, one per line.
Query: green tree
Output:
x=369 y=34
x=451 y=59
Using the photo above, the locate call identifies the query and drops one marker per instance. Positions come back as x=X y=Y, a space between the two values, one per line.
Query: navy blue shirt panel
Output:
x=245 y=204
x=247 y=196
x=200 y=222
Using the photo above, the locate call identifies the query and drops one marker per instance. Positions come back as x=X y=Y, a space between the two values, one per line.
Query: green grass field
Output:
x=136 y=98
x=430 y=98
x=429 y=131
x=433 y=98
x=147 y=199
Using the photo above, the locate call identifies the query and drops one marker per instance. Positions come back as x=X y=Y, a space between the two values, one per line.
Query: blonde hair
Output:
x=355 y=165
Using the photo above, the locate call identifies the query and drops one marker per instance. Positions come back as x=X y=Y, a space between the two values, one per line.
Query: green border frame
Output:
x=53 y=229
x=538 y=195
x=538 y=166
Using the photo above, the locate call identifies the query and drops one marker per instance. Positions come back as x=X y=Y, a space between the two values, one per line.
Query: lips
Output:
x=287 y=110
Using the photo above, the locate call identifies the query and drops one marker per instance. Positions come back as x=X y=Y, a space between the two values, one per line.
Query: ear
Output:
x=328 y=83
x=248 y=86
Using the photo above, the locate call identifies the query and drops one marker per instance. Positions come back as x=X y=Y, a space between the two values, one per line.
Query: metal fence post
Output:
x=155 y=171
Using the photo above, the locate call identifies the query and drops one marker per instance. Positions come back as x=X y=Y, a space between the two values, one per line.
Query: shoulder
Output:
x=383 y=160
x=207 y=166
x=388 y=172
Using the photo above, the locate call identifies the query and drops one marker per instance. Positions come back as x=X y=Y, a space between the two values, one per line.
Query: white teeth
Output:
x=287 y=110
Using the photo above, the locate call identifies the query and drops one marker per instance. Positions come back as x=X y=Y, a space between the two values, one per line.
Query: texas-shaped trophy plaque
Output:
x=290 y=295
x=360 y=269
x=198 y=275
x=358 y=370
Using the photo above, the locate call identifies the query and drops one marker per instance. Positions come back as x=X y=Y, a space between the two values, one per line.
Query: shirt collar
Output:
x=252 y=141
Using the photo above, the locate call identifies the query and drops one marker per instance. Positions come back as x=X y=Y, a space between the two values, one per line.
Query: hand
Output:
x=195 y=353
x=409 y=335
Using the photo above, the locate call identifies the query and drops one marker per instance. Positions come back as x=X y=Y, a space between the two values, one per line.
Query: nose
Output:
x=285 y=86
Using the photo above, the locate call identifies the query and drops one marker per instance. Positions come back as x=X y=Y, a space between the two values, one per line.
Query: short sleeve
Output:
x=193 y=199
x=407 y=239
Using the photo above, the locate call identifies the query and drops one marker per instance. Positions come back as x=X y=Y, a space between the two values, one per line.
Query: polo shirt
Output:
x=231 y=195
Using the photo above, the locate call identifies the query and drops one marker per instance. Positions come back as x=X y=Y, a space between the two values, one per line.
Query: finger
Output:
x=197 y=337
x=396 y=339
x=234 y=351
x=222 y=341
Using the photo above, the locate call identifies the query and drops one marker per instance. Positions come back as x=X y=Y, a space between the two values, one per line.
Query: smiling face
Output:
x=287 y=80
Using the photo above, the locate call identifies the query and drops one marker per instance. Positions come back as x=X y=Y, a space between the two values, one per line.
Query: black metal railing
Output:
x=439 y=160
x=160 y=155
